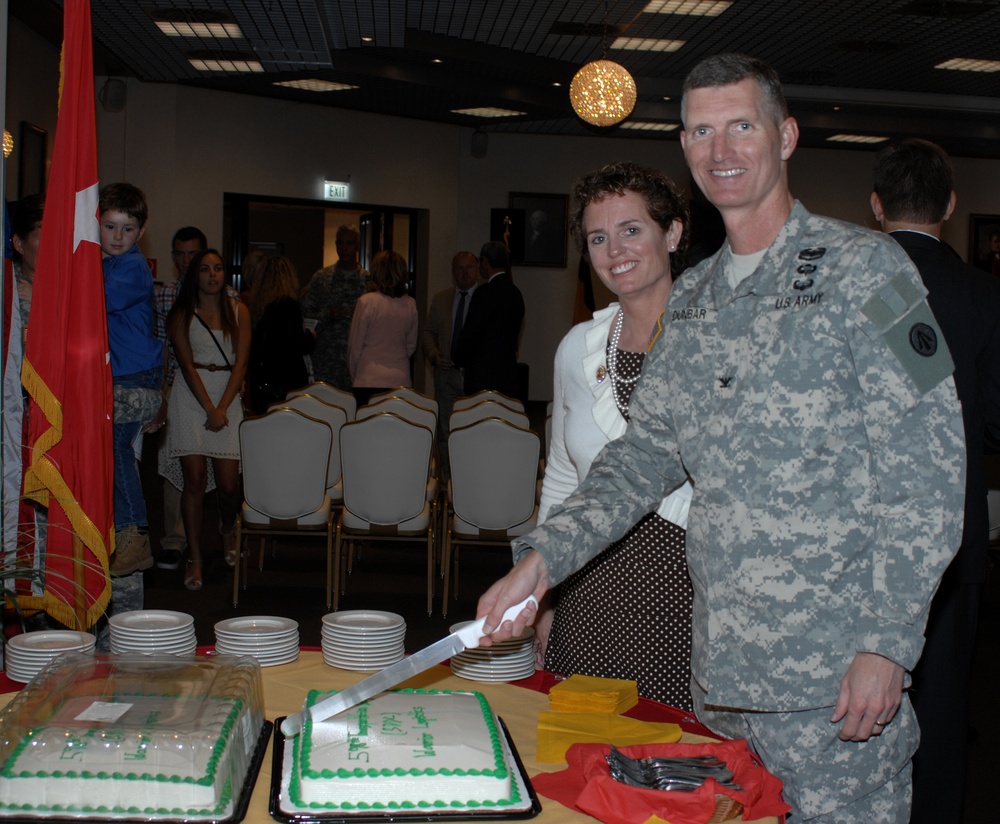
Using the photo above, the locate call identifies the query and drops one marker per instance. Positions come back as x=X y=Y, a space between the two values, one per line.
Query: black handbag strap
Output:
x=215 y=340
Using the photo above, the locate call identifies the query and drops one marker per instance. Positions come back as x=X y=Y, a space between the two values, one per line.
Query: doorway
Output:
x=304 y=231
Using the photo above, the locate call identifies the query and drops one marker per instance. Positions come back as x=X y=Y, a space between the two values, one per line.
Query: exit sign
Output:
x=336 y=190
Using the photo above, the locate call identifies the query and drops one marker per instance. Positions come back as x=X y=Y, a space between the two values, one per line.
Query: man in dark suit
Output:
x=487 y=345
x=913 y=198
x=445 y=318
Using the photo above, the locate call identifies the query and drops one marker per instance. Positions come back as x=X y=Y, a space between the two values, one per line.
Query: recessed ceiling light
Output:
x=967 y=64
x=649 y=126
x=557 y=84
x=437 y=60
x=235 y=65
x=367 y=39
x=313 y=85
x=691 y=8
x=215 y=31
x=666 y=98
x=487 y=111
x=647 y=44
x=857 y=138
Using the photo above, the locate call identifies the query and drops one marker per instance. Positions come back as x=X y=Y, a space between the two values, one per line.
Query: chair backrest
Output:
x=385 y=460
x=486 y=409
x=412 y=395
x=488 y=395
x=405 y=409
x=330 y=394
x=285 y=455
x=336 y=416
x=494 y=465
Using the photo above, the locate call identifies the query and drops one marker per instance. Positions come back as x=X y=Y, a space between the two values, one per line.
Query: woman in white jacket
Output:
x=627 y=614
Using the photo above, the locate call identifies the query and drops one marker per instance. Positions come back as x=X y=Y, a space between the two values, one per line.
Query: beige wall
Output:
x=187 y=146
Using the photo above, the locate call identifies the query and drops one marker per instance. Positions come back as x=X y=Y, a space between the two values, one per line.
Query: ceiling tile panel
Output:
x=875 y=60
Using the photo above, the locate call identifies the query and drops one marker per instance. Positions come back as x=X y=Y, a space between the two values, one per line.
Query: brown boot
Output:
x=132 y=552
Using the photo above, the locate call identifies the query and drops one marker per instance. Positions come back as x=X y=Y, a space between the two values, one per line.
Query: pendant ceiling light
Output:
x=603 y=92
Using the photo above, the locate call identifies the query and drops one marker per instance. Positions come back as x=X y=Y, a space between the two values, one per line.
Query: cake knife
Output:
x=465 y=638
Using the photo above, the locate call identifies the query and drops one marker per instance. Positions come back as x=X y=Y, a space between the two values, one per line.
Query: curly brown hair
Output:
x=663 y=202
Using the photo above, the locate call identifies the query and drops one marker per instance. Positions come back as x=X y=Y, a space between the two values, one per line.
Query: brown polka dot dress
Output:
x=627 y=614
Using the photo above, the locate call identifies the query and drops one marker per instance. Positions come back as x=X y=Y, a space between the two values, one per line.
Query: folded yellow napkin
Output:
x=588 y=693
x=557 y=731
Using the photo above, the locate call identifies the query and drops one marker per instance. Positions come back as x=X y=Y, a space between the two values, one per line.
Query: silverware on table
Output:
x=678 y=774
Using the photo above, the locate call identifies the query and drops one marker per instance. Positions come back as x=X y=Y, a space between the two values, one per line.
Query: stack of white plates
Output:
x=149 y=631
x=29 y=652
x=362 y=639
x=268 y=638
x=508 y=660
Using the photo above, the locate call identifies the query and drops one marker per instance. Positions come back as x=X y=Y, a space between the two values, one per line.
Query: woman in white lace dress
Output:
x=210 y=333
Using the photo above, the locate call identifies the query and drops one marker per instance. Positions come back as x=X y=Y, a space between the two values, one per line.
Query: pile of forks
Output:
x=677 y=774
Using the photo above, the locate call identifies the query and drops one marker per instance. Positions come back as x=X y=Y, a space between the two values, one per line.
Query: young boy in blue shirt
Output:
x=136 y=363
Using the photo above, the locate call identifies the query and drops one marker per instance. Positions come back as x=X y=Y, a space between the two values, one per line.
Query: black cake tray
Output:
x=382 y=816
x=239 y=809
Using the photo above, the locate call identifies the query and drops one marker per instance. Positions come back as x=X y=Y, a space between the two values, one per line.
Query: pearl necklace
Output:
x=613 y=354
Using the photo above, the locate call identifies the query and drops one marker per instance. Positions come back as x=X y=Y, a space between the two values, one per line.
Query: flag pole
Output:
x=79 y=584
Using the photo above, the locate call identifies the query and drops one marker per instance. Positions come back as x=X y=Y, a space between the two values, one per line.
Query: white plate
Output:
x=363 y=637
x=258 y=641
x=226 y=649
x=166 y=649
x=38 y=657
x=526 y=672
x=188 y=650
x=390 y=646
x=258 y=626
x=266 y=660
x=172 y=635
x=490 y=668
x=51 y=642
x=360 y=660
x=21 y=678
x=359 y=666
x=363 y=620
x=253 y=649
x=185 y=634
x=151 y=620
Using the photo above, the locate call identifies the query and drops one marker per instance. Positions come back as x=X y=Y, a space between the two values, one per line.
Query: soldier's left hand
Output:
x=870 y=695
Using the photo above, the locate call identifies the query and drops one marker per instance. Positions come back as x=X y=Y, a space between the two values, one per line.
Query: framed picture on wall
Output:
x=31 y=168
x=984 y=242
x=543 y=230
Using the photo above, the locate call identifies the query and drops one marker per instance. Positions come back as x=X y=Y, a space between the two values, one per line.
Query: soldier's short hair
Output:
x=727 y=69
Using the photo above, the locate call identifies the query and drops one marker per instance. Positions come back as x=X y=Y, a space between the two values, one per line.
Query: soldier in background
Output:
x=330 y=298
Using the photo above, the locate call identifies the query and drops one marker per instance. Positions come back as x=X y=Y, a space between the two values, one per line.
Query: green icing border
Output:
x=9 y=771
x=299 y=757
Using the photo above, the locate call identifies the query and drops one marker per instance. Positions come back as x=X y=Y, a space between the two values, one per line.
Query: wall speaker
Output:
x=112 y=95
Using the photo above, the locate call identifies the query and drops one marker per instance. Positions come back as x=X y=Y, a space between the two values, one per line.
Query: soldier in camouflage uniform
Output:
x=803 y=384
x=330 y=298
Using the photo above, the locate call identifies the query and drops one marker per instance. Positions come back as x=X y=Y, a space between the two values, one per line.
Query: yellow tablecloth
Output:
x=286 y=686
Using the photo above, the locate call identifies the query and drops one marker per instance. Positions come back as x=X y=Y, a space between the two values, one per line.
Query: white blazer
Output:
x=585 y=418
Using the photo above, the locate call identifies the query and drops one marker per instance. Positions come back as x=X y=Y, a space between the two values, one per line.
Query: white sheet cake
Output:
x=125 y=736
x=404 y=750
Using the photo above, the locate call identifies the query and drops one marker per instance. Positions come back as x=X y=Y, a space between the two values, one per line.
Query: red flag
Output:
x=66 y=369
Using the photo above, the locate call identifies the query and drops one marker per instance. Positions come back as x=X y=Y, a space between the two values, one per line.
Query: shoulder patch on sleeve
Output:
x=903 y=318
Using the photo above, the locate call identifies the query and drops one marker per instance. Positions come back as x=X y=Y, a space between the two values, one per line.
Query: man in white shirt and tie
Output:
x=444 y=321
